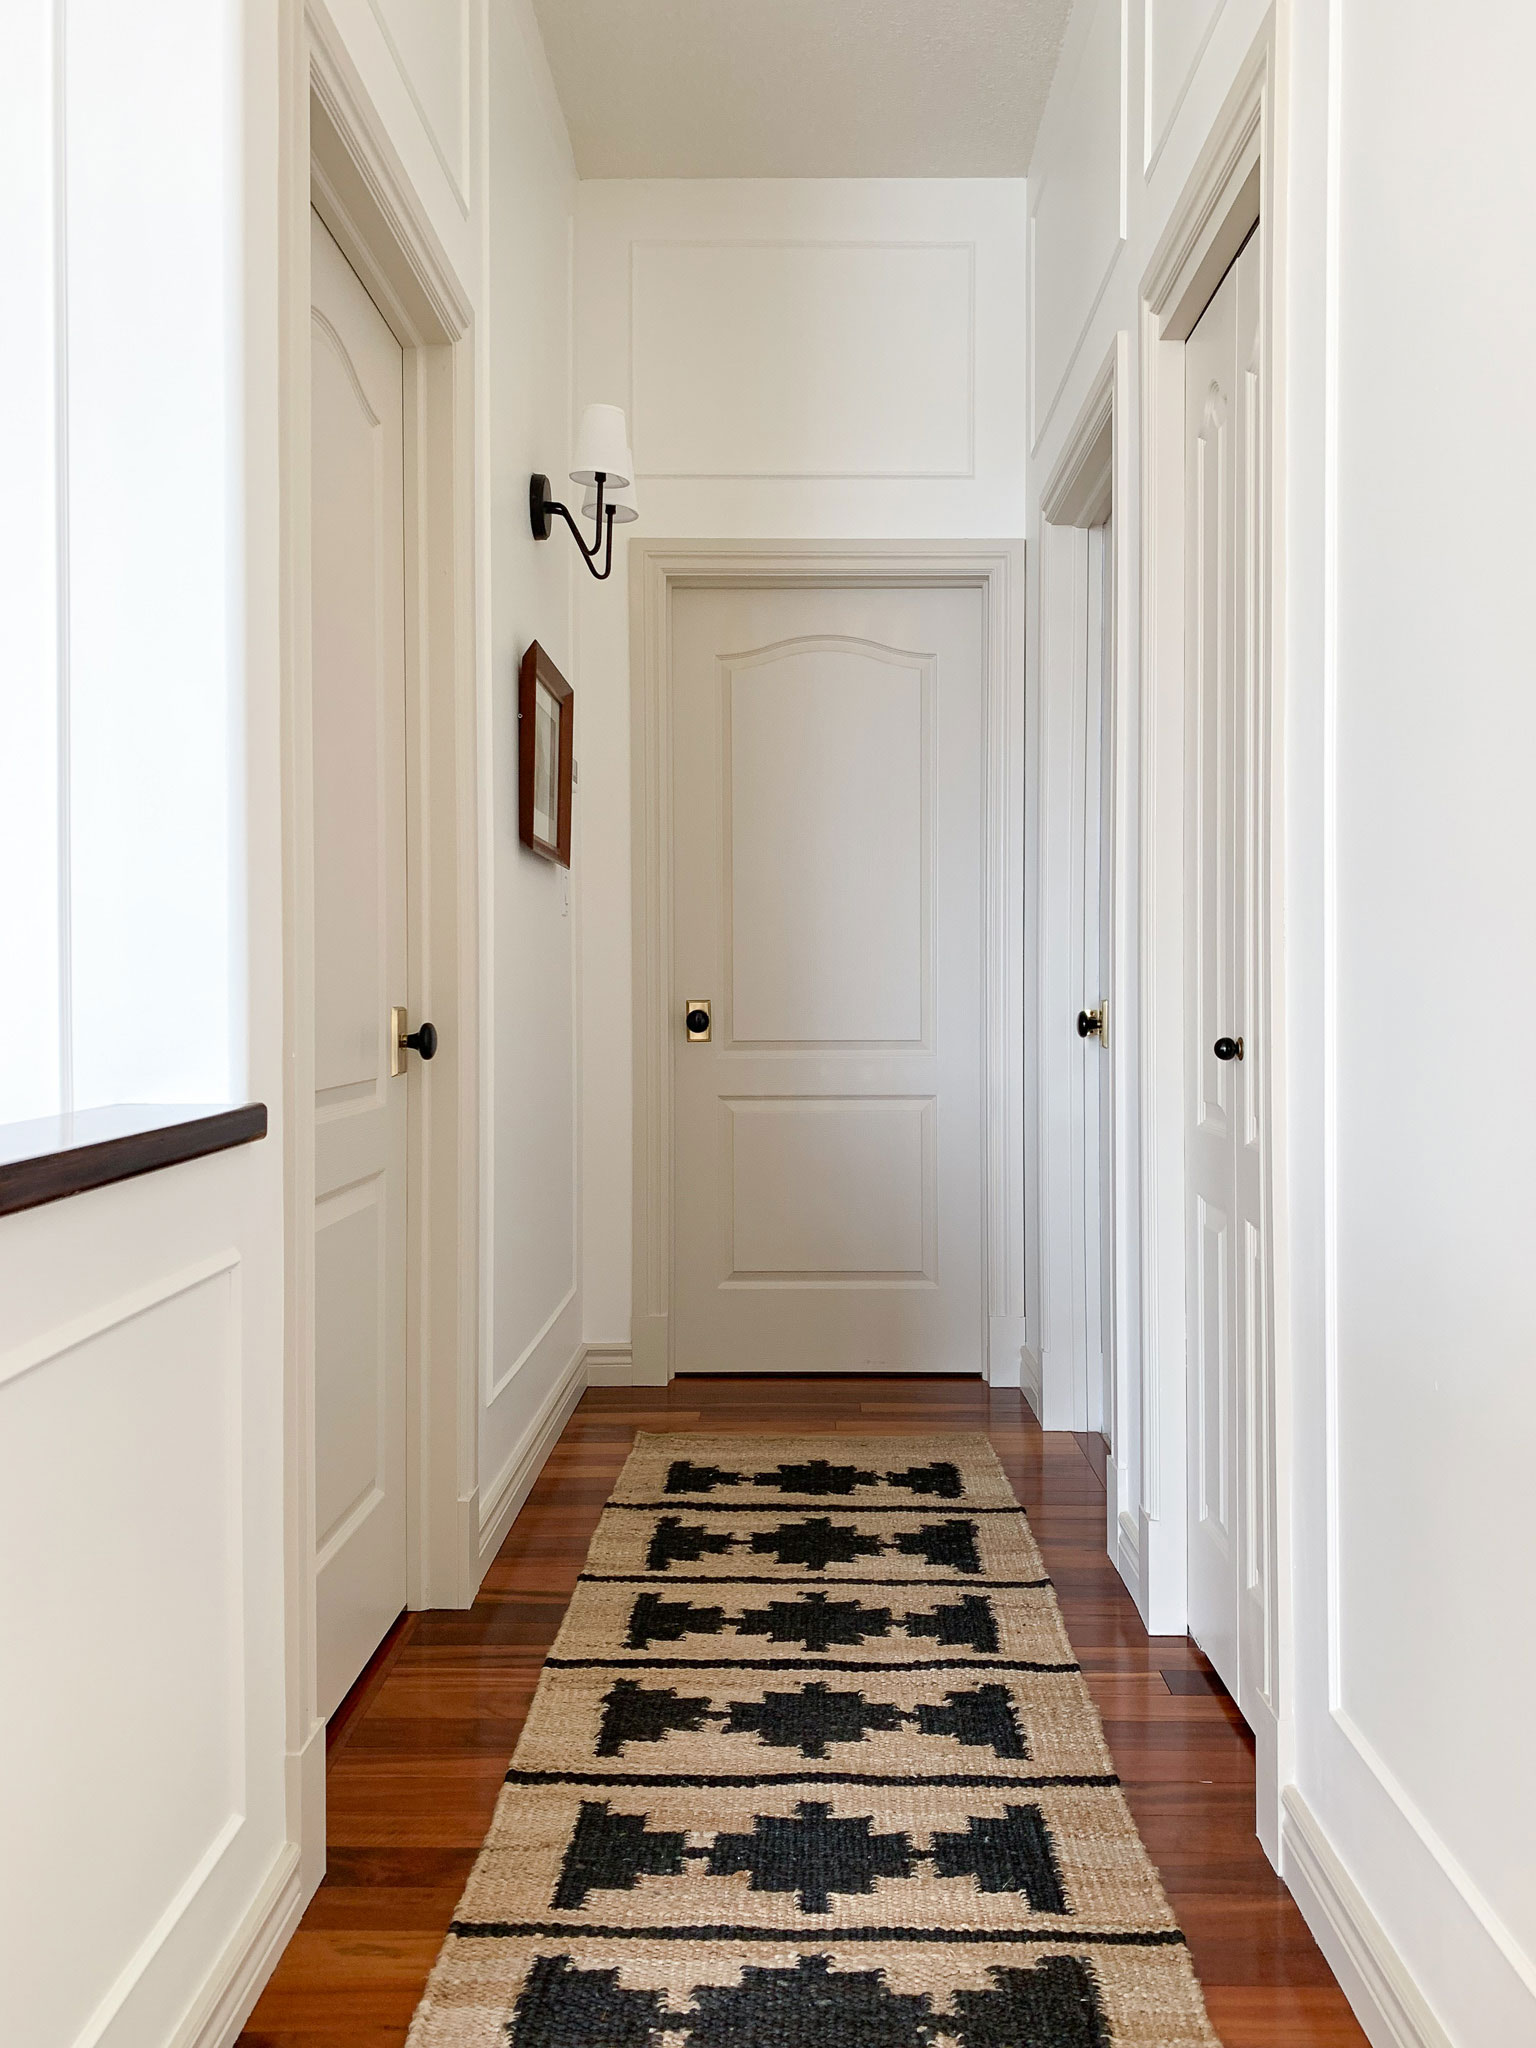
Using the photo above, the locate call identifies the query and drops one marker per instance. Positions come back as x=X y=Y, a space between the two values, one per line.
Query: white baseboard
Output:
x=1371 y=1973
x=236 y=1980
x=610 y=1365
x=305 y=1789
x=1030 y=1378
x=1124 y=1532
x=514 y=1482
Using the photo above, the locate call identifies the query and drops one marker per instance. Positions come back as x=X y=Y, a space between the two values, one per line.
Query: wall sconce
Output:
x=605 y=465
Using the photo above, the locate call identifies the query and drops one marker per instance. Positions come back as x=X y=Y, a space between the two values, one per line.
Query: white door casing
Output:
x=1095 y=1290
x=1227 y=1252
x=828 y=898
x=358 y=742
x=1086 y=1221
x=1225 y=201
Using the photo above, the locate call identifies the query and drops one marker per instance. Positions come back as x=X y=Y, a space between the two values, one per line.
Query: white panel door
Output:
x=828 y=901
x=358 y=610
x=1226 y=1219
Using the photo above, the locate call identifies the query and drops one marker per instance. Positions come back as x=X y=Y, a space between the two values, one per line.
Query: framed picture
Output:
x=546 y=711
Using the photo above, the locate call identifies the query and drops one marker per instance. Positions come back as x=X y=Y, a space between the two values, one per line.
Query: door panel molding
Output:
x=732 y=669
x=659 y=568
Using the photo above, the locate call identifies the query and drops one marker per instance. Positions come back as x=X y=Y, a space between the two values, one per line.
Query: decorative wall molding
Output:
x=143 y=1388
x=497 y=1386
x=362 y=169
x=1219 y=206
x=1370 y=1971
x=1080 y=490
x=111 y=1315
x=1153 y=145
x=1040 y=424
x=235 y=1982
x=455 y=174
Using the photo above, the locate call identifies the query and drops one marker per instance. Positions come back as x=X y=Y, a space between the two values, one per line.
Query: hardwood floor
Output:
x=420 y=1746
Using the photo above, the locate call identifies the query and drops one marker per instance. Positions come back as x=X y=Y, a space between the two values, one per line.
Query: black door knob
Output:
x=1088 y=1022
x=697 y=1020
x=423 y=1041
x=1228 y=1048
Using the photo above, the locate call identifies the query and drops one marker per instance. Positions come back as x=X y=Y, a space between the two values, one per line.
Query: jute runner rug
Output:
x=811 y=1766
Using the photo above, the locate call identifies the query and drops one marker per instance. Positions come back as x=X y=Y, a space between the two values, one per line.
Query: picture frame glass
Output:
x=546 y=766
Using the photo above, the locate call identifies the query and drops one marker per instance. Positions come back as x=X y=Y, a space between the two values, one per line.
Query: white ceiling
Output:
x=802 y=88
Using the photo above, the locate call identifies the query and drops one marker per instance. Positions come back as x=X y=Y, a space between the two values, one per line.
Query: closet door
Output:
x=358 y=714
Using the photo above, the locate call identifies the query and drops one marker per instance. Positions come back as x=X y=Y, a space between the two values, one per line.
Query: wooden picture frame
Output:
x=546 y=733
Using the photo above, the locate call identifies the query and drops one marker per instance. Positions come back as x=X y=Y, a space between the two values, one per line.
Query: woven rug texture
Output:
x=811 y=1765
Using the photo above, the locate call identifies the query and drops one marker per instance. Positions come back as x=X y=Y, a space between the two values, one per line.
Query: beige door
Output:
x=827 y=749
x=358 y=603
x=1227 y=1254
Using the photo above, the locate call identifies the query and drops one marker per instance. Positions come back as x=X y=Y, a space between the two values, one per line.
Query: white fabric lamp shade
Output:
x=620 y=496
x=602 y=444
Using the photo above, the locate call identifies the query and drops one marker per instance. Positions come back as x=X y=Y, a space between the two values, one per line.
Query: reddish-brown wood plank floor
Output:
x=419 y=1748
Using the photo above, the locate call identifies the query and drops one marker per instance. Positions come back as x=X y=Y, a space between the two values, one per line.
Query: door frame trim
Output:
x=1092 y=481
x=658 y=568
x=335 y=156
x=1236 y=182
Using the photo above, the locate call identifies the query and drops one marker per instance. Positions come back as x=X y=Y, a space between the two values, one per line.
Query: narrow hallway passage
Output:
x=420 y=1746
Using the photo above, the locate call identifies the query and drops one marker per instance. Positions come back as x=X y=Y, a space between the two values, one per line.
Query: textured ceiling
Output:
x=802 y=88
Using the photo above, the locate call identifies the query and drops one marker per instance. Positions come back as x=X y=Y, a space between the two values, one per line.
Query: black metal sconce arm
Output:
x=542 y=508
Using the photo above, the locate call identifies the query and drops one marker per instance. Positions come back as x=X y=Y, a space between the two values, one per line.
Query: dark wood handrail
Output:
x=54 y=1156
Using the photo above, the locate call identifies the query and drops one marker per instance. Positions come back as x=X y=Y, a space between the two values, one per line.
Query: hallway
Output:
x=420 y=1746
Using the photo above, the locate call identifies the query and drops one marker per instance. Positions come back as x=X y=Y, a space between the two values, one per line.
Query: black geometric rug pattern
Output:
x=812 y=1765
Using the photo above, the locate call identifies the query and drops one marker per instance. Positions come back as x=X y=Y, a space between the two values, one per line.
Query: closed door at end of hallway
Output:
x=827 y=778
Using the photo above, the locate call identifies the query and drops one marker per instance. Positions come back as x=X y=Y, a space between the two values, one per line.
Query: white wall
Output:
x=1407 y=1321
x=529 y=930
x=1414 y=1208
x=115 y=798
x=799 y=360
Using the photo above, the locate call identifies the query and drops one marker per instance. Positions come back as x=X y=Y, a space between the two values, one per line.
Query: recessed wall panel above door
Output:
x=1177 y=33
x=810 y=359
x=429 y=41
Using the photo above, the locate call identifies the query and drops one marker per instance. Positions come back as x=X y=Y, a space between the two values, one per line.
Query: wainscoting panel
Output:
x=430 y=45
x=1177 y=33
x=120 y=1499
x=809 y=359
